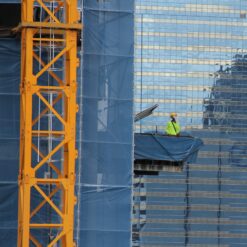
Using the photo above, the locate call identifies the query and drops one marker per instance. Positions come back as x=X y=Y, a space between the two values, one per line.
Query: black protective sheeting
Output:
x=7 y=9
x=163 y=147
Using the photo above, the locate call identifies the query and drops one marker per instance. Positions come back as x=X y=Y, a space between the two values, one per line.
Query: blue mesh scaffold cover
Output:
x=10 y=1
x=107 y=141
x=9 y=140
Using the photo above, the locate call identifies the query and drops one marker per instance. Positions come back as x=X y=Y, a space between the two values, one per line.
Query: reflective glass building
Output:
x=191 y=58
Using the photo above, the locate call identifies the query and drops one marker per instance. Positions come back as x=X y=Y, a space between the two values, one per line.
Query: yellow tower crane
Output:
x=48 y=122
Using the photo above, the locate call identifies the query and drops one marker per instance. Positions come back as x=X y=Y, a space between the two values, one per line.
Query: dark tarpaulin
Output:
x=163 y=147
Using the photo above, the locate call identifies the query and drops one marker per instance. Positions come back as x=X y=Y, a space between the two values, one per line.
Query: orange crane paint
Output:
x=48 y=118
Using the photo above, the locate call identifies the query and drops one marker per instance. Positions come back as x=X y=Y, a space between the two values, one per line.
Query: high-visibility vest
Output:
x=172 y=128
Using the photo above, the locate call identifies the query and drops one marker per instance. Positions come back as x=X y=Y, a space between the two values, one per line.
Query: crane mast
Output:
x=48 y=122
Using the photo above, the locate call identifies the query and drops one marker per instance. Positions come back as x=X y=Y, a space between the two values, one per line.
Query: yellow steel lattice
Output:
x=48 y=123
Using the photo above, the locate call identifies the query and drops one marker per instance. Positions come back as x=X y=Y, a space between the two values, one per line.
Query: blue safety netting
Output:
x=9 y=139
x=167 y=148
x=104 y=129
x=107 y=102
x=10 y=1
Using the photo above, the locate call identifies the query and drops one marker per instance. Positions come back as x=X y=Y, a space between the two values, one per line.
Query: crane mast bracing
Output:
x=48 y=122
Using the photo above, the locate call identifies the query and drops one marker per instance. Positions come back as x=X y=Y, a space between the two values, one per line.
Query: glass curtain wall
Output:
x=191 y=58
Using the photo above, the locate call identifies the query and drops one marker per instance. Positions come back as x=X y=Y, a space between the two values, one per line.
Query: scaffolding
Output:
x=48 y=123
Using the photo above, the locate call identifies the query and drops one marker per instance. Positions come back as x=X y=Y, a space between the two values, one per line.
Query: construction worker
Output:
x=173 y=127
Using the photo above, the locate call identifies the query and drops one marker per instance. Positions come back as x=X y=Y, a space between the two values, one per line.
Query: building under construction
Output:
x=67 y=96
x=73 y=173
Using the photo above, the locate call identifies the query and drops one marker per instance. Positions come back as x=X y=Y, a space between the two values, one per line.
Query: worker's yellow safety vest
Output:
x=172 y=128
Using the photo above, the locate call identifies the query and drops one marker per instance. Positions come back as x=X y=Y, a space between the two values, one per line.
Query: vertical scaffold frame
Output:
x=55 y=27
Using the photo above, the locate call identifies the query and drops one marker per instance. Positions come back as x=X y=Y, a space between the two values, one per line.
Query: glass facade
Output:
x=191 y=58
